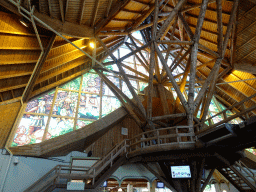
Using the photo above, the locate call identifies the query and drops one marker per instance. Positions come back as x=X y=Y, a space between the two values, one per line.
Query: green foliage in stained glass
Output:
x=72 y=85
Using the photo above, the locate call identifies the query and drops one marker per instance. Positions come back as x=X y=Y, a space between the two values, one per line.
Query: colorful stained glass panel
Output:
x=82 y=123
x=30 y=130
x=65 y=103
x=41 y=104
x=89 y=106
x=59 y=126
x=91 y=83
x=72 y=85
x=109 y=104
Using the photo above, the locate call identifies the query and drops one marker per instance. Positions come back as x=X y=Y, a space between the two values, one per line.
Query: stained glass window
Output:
x=30 y=130
x=76 y=104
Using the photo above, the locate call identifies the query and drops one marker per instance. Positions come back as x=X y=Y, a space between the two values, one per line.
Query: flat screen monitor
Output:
x=105 y=184
x=181 y=172
x=159 y=185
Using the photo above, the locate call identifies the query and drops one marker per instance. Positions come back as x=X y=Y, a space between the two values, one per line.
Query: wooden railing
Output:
x=247 y=171
x=223 y=113
x=166 y=136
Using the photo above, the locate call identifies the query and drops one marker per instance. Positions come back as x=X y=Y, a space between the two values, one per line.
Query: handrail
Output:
x=229 y=108
x=124 y=147
x=243 y=167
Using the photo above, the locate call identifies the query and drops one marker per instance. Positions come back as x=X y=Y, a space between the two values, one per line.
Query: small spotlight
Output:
x=92 y=45
x=24 y=22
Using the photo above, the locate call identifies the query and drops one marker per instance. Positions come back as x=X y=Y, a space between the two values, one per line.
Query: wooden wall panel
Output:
x=8 y=115
x=113 y=137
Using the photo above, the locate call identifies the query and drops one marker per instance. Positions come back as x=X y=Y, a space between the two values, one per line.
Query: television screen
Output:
x=159 y=185
x=105 y=184
x=182 y=171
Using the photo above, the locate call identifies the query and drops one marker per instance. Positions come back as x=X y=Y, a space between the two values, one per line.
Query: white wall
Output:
x=28 y=170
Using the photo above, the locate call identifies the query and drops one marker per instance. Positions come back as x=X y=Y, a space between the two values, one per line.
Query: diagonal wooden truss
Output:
x=161 y=44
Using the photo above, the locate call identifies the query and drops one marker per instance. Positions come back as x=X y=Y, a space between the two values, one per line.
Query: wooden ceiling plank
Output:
x=95 y=11
x=36 y=72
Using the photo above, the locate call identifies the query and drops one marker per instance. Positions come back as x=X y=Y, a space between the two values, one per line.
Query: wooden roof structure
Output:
x=211 y=41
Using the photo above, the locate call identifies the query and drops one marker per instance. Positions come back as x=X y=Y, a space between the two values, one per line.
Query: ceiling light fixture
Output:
x=120 y=189
x=92 y=45
x=24 y=21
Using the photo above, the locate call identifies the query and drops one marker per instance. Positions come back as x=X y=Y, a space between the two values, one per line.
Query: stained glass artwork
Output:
x=41 y=104
x=59 y=126
x=89 y=106
x=106 y=90
x=109 y=104
x=91 y=83
x=127 y=71
x=251 y=150
x=72 y=85
x=81 y=123
x=126 y=90
x=142 y=86
x=65 y=103
x=217 y=118
x=30 y=130
x=141 y=69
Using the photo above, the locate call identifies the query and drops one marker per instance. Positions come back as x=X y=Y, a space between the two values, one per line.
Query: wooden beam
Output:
x=95 y=11
x=50 y=8
x=222 y=49
x=29 y=88
x=108 y=8
x=169 y=73
x=111 y=15
x=193 y=56
x=125 y=78
x=165 y=106
x=134 y=44
x=62 y=14
x=82 y=12
x=167 y=24
x=139 y=59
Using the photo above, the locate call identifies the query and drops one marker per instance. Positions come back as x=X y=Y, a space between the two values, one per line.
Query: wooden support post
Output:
x=163 y=98
x=182 y=86
x=207 y=180
x=222 y=49
x=194 y=61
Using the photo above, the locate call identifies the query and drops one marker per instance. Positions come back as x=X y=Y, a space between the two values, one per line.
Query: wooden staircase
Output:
x=95 y=175
x=240 y=176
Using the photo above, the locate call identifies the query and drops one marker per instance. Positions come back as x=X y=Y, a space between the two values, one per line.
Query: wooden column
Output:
x=193 y=56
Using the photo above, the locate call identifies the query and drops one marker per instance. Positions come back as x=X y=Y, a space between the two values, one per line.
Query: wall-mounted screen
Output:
x=105 y=184
x=159 y=185
x=182 y=171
